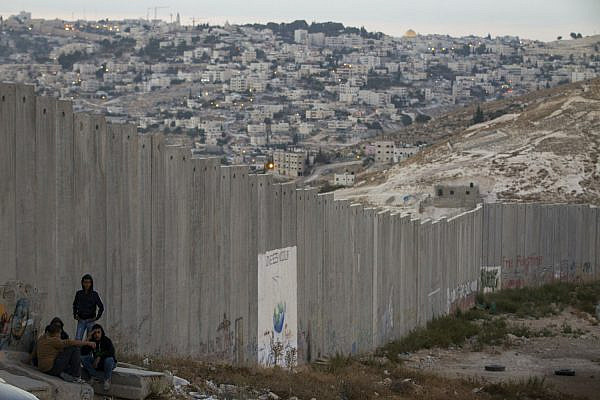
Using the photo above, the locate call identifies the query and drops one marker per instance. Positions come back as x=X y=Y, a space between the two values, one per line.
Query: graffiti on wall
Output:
x=277 y=308
x=387 y=319
x=224 y=337
x=520 y=271
x=491 y=279
x=572 y=271
x=516 y=271
x=462 y=296
x=19 y=315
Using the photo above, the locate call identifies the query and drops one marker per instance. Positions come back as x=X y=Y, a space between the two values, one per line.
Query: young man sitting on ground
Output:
x=60 y=357
x=100 y=360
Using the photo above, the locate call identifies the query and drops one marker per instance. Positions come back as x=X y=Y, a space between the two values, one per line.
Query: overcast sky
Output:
x=535 y=19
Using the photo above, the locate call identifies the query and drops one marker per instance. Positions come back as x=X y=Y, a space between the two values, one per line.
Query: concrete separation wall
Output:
x=173 y=242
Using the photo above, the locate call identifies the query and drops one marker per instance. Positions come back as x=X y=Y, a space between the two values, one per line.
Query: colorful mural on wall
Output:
x=20 y=308
x=277 y=308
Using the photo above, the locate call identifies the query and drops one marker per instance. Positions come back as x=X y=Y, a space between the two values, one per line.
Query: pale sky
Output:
x=534 y=19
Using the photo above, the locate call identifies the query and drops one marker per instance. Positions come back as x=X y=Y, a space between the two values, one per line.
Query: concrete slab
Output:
x=133 y=384
x=44 y=386
x=40 y=389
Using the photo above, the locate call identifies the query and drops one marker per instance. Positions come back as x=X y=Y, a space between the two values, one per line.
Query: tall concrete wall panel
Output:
x=143 y=270
x=65 y=268
x=97 y=167
x=113 y=282
x=158 y=244
x=173 y=242
x=8 y=247
x=45 y=196
x=25 y=226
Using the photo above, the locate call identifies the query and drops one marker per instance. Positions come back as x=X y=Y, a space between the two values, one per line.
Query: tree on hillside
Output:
x=405 y=119
x=478 y=116
x=422 y=118
x=558 y=37
x=322 y=158
x=67 y=60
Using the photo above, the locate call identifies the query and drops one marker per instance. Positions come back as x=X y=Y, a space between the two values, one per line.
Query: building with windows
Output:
x=384 y=151
x=456 y=196
x=345 y=179
x=288 y=163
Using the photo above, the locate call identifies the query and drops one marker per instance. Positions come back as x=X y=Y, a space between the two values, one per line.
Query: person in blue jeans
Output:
x=86 y=303
x=100 y=361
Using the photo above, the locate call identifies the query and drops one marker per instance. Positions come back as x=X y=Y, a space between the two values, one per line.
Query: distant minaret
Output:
x=178 y=20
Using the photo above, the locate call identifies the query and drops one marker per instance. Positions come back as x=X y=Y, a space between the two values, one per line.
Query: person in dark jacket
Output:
x=85 y=304
x=100 y=361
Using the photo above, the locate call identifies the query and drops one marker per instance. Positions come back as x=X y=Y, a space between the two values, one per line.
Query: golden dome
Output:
x=410 y=34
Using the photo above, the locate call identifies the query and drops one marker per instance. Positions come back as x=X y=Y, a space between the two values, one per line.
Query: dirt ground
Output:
x=574 y=344
x=569 y=340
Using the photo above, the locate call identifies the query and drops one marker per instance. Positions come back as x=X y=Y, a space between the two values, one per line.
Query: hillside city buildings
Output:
x=251 y=92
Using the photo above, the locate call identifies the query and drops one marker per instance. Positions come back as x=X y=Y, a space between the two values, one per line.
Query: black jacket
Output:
x=104 y=347
x=85 y=303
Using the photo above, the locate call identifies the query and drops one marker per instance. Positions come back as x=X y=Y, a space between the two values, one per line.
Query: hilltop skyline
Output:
x=542 y=20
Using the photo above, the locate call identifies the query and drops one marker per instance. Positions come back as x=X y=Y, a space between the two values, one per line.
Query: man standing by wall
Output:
x=85 y=304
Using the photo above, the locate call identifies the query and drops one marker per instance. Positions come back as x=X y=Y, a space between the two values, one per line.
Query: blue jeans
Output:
x=84 y=326
x=105 y=370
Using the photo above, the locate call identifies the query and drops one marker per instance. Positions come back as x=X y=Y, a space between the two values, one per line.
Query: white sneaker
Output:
x=106 y=386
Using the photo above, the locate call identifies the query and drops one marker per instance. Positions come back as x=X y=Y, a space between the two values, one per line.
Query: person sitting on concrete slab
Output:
x=60 y=357
x=63 y=335
x=100 y=361
x=84 y=307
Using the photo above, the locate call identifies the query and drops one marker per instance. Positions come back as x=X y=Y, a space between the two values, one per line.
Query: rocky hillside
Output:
x=543 y=146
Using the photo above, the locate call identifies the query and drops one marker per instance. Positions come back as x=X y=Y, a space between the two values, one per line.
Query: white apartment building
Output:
x=341 y=125
x=347 y=93
x=289 y=163
x=257 y=129
x=578 y=76
x=316 y=39
x=301 y=36
x=319 y=114
x=280 y=127
x=375 y=99
x=258 y=140
x=238 y=84
x=345 y=179
x=306 y=128
x=428 y=93
x=249 y=56
x=90 y=85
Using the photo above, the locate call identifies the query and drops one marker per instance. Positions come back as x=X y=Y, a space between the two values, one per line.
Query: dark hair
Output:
x=53 y=329
x=98 y=326
x=57 y=320
x=47 y=329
